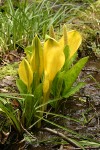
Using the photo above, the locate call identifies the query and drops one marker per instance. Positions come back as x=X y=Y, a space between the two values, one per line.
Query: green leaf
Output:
x=57 y=85
x=72 y=74
x=3 y=100
x=74 y=89
x=90 y=143
x=54 y=83
x=10 y=113
x=38 y=94
x=21 y=86
x=29 y=109
x=29 y=50
x=38 y=100
x=69 y=62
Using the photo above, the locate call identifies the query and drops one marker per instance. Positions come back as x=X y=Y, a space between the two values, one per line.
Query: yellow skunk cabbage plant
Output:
x=48 y=73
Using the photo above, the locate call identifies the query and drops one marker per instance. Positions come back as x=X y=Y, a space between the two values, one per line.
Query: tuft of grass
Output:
x=19 y=24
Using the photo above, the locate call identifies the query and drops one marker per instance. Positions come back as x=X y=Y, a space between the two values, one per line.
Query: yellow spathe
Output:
x=74 y=40
x=25 y=73
x=54 y=59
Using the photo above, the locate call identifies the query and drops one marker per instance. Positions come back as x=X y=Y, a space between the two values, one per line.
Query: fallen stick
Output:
x=62 y=136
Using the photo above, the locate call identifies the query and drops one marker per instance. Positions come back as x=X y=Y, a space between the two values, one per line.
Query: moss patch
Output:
x=9 y=69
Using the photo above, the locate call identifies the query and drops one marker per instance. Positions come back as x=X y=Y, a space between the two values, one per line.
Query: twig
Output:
x=28 y=132
x=62 y=136
x=91 y=70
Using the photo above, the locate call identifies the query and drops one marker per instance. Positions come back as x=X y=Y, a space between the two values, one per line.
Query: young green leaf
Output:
x=72 y=74
x=74 y=89
x=21 y=86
